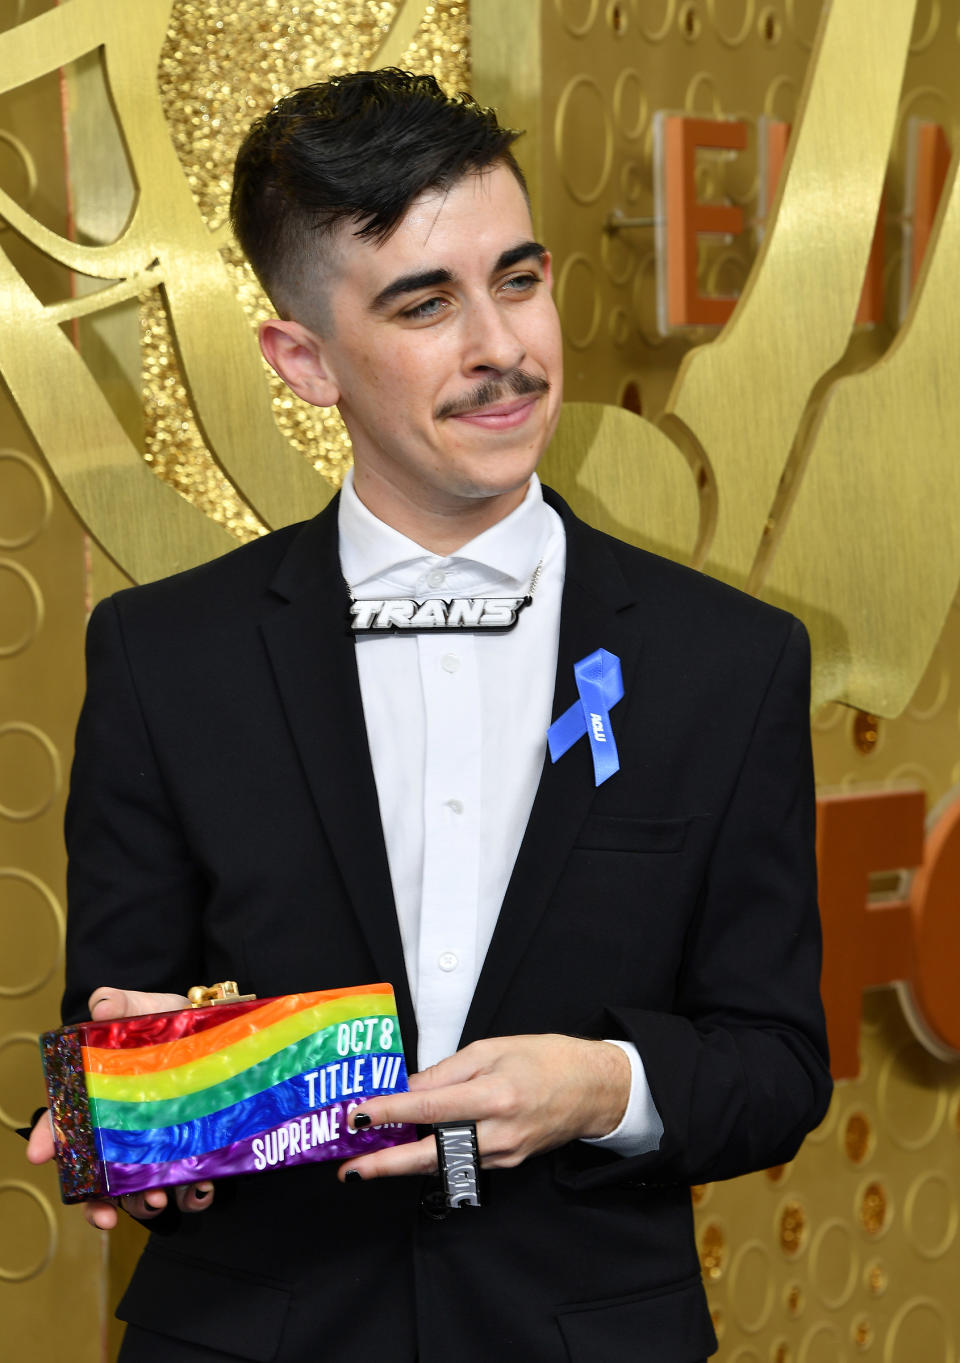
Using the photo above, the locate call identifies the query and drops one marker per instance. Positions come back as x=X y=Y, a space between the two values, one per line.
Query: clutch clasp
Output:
x=227 y=991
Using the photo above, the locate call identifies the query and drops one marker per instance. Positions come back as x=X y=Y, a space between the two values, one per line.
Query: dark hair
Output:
x=359 y=147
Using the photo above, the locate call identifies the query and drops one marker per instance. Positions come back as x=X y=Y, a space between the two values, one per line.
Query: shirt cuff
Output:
x=640 y=1128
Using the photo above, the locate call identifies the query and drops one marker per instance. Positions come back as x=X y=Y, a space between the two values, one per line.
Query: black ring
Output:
x=458 y=1160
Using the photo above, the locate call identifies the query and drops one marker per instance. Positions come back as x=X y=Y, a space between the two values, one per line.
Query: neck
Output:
x=440 y=529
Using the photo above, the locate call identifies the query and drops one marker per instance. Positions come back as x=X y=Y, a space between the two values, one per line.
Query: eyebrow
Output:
x=429 y=279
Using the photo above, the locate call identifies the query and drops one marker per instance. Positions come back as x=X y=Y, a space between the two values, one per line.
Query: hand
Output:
x=526 y=1094
x=106 y=1004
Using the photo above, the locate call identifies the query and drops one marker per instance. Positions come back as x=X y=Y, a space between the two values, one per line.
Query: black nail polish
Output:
x=201 y=1195
x=352 y=1176
x=360 y=1121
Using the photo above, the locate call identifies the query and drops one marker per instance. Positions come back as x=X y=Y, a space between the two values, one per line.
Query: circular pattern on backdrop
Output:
x=834 y=1263
x=862 y=1333
x=794 y=1300
x=656 y=32
x=583 y=139
x=925 y=25
x=24 y=160
x=931 y=695
x=643 y=301
x=858 y=1138
x=629 y=103
x=28 y=1039
x=930 y=1214
x=618 y=19
x=929 y=103
x=821 y=1345
x=909 y=774
x=633 y=181
x=780 y=99
x=713 y=1251
x=15 y=464
x=911 y=1101
x=617 y=257
x=769 y=27
x=828 y=717
x=732 y=20
x=49 y=899
x=578 y=300
x=21 y=604
x=702 y=83
x=876 y=1278
x=44 y=1232
x=752 y=1287
x=577 y=16
x=919 y=1331
x=691 y=25
x=872 y=1208
x=792 y=1228
x=12 y=763
x=727 y=275
x=618 y=324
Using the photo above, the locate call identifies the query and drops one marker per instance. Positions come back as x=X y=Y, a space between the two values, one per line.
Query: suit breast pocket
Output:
x=632 y=833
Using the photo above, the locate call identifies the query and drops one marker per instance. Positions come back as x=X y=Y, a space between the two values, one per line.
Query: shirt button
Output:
x=436 y=578
x=448 y=960
x=456 y=806
x=450 y=662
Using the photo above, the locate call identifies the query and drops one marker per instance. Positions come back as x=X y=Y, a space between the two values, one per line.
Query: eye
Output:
x=521 y=283
x=426 y=311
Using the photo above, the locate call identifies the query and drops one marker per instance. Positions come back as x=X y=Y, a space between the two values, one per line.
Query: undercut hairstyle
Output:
x=358 y=148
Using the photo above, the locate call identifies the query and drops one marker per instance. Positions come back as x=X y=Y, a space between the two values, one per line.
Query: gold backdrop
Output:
x=836 y=498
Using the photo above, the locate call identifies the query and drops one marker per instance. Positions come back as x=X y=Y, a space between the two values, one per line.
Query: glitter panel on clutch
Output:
x=143 y=1102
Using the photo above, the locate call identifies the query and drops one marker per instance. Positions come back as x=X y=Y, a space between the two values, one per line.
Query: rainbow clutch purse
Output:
x=235 y=1087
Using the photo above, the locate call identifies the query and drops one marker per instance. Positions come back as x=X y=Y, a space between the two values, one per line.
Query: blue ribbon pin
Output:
x=600 y=686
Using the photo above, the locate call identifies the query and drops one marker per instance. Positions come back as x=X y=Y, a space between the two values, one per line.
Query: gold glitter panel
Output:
x=220 y=67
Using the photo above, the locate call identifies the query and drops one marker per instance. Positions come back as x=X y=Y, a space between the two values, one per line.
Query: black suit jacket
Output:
x=223 y=823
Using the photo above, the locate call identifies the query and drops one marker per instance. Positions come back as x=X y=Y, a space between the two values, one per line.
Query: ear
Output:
x=296 y=353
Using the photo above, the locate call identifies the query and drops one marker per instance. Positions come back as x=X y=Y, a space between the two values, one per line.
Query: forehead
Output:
x=464 y=229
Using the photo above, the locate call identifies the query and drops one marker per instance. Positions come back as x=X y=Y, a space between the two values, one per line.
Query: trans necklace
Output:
x=404 y=615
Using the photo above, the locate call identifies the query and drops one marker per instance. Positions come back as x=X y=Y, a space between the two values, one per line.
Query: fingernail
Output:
x=352 y=1176
x=360 y=1121
x=201 y=1193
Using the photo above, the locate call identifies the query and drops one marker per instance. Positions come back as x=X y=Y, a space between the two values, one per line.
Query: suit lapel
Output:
x=314 y=663
x=596 y=612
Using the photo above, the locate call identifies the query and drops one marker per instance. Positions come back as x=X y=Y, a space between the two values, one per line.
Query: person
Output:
x=608 y=961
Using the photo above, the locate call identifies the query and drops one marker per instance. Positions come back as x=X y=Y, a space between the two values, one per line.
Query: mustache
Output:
x=517 y=383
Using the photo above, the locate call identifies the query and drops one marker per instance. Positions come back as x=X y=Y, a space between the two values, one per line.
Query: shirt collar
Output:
x=370 y=549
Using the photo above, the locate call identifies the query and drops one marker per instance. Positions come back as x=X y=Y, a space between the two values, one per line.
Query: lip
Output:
x=501 y=416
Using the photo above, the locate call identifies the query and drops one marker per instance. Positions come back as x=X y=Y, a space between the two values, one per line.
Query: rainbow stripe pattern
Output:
x=167 y=1098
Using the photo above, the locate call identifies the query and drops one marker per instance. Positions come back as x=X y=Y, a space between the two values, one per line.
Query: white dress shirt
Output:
x=456 y=725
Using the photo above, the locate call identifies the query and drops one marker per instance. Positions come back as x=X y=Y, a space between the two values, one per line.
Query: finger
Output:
x=101 y=1215
x=194 y=1197
x=146 y=1205
x=107 y=1003
x=458 y=1068
x=478 y=1097
x=419 y=1157
x=40 y=1147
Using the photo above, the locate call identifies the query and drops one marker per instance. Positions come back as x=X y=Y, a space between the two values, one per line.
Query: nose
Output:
x=492 y=342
